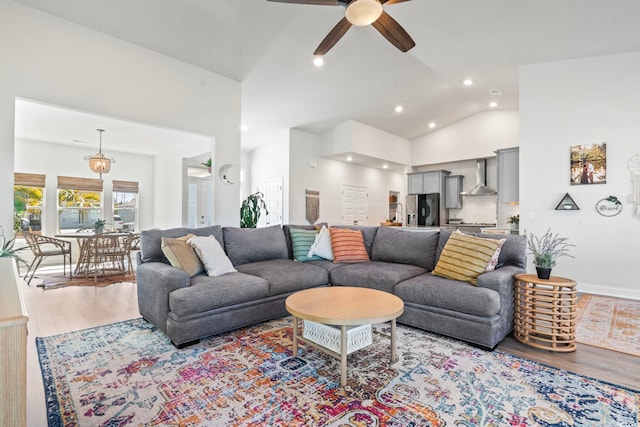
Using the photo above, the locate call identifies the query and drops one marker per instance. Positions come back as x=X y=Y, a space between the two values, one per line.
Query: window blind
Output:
x=125 y=186
x=85 y=184
x=29 y=179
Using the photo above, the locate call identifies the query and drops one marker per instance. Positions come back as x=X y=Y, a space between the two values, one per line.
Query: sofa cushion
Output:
x=212 y=255
x=434 y=291
x=405 y=247
x=285 y=276
x=181 y=255
x=301 y=241
x=375 y=274
x=348 y=245
x=151 y=240
x=465 y=257
x=244 y=245
x=208 y=293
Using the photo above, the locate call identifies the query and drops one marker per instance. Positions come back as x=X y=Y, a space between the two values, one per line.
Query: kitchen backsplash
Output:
x=481 y=209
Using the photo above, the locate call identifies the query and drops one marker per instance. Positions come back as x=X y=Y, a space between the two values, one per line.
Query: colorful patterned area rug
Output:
x=128 y=374
x=610 y=323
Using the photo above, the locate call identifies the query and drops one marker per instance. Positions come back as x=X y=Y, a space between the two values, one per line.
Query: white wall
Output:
x=51 y=60
x=55 y=160
x=271 y=160
x=575 y=102
x=329 y=176
x=476 y=137
x=356 y=137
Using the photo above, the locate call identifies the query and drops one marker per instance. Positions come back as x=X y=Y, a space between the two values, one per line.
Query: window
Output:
x=28 y=201
x=125 y=205
x=79 y=203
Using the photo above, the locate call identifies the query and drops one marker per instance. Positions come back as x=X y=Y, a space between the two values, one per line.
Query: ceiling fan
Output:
x=361 y=13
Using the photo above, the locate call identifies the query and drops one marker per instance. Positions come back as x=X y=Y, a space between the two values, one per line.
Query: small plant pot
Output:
x=98 y=230
x=543 y=273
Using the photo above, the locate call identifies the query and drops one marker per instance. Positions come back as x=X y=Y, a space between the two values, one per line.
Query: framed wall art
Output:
x=589 y=164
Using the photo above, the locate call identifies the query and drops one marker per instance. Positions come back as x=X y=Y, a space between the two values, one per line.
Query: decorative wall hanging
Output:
x=589 y=164
x=313 y=205
x=610 y=206
x=634 y=167
x=225 y=173
x=567 y=204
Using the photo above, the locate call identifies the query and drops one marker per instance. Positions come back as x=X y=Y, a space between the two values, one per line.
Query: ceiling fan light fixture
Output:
x=363 y=12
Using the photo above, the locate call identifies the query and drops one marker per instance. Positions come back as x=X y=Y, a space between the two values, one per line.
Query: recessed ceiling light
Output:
x=468 y=82
x=399 y=109
x=493 y=104
x=432 y=125
x=495 y=92
x=318 y=61
x=385 y=166
x=244 y=128
x=349 y=158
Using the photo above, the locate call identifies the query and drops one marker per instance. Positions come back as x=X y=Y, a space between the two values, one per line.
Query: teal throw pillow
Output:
x=301 y=241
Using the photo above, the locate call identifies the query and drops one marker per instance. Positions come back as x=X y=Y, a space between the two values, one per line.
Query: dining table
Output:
x=84 y=264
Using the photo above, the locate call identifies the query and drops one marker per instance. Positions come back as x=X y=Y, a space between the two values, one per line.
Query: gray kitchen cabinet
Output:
x=415 y=183
x=508 y=175
x=426 y=182
x=453 y=187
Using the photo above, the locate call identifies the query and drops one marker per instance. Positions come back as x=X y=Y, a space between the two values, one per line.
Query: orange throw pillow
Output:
x=348 y=245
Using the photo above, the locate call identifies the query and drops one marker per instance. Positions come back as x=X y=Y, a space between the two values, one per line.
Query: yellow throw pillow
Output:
x=465 y=257
x=181 y=255
x=348 y=245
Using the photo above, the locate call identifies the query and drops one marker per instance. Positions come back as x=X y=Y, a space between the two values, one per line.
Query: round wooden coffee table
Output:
x=344 y=306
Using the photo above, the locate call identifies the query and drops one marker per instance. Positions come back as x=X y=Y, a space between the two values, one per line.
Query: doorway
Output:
x=354 y=204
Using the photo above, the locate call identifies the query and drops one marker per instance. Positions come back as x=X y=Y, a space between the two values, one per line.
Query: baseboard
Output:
x=609 y=291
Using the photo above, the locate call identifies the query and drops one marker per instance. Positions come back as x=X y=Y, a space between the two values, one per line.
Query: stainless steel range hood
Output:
x=481 y=188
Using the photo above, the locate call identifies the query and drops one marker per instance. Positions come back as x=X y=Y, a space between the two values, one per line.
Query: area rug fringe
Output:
x=128 y=373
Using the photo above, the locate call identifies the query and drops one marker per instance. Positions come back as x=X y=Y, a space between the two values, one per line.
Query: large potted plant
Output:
x=250 y=210
x=546 y=249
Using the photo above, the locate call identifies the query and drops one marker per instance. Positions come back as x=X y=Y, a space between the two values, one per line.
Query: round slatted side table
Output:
x=545 y=312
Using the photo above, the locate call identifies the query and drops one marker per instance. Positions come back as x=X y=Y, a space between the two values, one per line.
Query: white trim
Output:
x=608 y=291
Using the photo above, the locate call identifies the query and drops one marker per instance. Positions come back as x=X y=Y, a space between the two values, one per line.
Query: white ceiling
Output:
x=268 y=47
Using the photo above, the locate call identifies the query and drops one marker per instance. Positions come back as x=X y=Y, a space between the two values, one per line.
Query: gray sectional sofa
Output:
x=189 y=308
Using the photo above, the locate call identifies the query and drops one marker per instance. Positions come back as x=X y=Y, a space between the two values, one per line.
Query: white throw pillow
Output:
x=215 y=261
x=322 y=245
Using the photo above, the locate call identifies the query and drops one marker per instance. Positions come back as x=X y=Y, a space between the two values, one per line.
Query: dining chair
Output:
x=106 y=254
x=43 y=247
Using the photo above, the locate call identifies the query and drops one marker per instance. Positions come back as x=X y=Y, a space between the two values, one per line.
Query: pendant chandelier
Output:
x=99 y=163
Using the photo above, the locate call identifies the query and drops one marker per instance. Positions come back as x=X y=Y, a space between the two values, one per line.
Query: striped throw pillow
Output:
x=465 y=257
x=348 y=245
x=301 y=241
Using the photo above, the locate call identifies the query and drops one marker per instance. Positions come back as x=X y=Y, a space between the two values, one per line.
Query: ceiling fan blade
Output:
x=332 y=38
x=317 y=2
x=392 y=1
x=392 y=31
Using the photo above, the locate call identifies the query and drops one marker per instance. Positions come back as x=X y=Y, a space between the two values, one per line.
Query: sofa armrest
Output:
x=500 y=279
x=156 y=281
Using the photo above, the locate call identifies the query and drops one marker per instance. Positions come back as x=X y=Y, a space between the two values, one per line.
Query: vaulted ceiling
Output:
x=268 y=46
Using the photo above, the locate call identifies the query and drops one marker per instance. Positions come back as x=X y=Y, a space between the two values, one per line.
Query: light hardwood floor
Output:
x=56 y=311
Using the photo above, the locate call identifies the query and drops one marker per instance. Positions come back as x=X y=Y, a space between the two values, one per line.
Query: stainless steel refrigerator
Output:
x=423 y=210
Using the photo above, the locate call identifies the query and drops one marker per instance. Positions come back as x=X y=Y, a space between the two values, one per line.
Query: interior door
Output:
x=200 y=209
x=354 y=205
x=273 y=200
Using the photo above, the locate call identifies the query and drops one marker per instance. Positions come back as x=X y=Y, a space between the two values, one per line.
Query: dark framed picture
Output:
x=589 y=164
